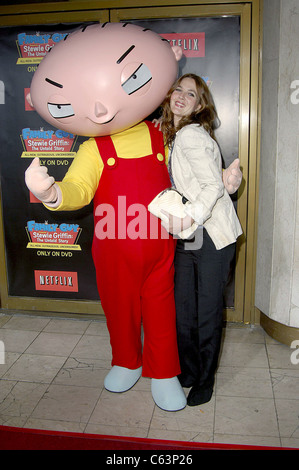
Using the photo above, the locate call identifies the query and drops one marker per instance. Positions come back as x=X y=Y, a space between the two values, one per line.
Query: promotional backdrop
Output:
x=48 y=254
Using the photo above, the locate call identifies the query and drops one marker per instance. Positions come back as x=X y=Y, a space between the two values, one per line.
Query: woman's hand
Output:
x=232 y=177
x=176 y=225
x=157 y=122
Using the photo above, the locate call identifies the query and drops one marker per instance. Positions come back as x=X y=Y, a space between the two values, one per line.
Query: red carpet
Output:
x=32 y=439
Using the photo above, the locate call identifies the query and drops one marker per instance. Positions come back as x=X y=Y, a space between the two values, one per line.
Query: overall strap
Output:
x=107 y=151
x=157 y=140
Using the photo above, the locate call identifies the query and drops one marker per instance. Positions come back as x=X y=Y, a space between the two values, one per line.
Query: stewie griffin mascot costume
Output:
x=101 y=82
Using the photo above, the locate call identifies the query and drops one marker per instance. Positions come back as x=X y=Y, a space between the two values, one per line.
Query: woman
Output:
x=201 y=269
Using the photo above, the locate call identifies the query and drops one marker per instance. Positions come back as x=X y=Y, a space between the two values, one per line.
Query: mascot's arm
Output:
x=80 y=183
x=78 y=186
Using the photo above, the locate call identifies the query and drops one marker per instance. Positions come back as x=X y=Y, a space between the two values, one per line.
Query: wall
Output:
x=277 y=278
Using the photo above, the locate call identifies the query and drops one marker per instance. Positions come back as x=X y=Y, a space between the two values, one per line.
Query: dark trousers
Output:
x=200 y=278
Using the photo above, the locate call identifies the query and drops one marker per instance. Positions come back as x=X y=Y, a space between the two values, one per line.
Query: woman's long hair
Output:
x=205 y=117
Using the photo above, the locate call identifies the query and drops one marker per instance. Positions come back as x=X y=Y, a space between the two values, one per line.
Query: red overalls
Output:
x=135 y=272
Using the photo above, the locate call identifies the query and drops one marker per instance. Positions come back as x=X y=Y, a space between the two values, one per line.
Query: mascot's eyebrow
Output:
x=125 y=55
x=54 y=83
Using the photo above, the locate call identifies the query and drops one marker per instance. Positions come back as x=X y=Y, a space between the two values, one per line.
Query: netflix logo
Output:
x=61 y=281
x=192 y=44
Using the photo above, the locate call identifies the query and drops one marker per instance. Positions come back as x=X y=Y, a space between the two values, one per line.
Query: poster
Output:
x=48 y=254
x=211 y=48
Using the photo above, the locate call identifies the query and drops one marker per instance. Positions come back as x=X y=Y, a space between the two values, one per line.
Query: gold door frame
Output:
x=118 y=10
x=244 y=11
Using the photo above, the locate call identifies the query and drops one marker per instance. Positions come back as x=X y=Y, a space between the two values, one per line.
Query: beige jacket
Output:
x=197 y=174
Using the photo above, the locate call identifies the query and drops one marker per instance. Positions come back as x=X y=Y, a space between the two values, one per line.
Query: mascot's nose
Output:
x=99 y=109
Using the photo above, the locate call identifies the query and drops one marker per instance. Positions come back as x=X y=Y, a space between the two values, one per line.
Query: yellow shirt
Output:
x=80 y=183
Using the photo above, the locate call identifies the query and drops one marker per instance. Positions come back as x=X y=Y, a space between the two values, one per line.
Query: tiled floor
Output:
x=53 y=376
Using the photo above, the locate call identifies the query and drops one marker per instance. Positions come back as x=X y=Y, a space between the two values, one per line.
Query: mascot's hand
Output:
x=232 y=177
x=40 y=183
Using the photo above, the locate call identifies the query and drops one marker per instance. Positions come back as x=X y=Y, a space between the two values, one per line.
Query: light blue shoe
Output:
x=168 y=394
x=121 y=379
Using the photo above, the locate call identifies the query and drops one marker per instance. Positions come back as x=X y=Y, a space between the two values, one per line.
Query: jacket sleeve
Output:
x=80 y=183
x=203 y=162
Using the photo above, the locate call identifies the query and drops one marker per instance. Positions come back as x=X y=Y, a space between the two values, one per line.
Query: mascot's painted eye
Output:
x=59 y=111
x=137 y=80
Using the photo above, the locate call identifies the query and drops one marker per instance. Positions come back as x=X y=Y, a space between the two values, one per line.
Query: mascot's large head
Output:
x=104 y=78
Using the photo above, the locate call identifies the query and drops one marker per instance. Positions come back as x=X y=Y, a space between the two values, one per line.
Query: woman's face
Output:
x=184 y=100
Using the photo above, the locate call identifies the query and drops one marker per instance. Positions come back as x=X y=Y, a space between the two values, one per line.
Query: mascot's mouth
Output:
x=105 y=122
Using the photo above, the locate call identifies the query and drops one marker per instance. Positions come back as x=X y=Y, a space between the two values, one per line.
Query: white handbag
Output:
x=174 y=203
